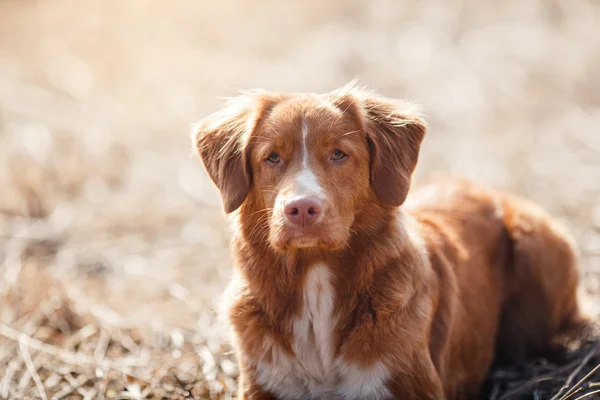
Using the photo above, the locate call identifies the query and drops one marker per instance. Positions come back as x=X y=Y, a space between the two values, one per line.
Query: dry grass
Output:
x=56 y=347
x=113 y=245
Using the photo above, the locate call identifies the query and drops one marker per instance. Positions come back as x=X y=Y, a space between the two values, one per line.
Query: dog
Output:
x=342 y=289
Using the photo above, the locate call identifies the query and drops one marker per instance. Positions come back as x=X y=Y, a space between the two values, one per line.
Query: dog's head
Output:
x=303 y=168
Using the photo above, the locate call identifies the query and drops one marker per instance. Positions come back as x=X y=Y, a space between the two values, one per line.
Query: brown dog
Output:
x=340 y=293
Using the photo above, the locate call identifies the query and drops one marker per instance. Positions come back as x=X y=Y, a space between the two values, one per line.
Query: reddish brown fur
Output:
x=431 y=289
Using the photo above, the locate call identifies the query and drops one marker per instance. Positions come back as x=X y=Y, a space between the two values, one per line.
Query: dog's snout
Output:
x=304 y=212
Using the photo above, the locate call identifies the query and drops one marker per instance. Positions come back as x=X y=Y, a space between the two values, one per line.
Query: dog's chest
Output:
x=315 y=371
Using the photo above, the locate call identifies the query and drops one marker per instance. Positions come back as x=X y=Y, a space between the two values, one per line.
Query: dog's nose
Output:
x=304 y=212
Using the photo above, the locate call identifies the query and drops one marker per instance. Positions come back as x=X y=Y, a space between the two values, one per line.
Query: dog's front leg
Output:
x=249 y=389
x=420 y=382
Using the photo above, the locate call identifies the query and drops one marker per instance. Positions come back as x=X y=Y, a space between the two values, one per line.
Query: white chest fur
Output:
x=315 y=372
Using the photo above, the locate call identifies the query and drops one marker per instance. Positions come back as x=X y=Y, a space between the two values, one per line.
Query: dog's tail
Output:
x=542 y=305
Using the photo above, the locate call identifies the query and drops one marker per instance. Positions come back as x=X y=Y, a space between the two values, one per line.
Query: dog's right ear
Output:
x=221 y=141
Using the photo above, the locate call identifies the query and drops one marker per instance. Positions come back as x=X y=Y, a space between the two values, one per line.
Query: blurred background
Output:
x=105 y=212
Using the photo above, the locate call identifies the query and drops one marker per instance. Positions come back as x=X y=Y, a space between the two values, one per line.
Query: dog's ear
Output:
x=222 y=142
x=394 y=135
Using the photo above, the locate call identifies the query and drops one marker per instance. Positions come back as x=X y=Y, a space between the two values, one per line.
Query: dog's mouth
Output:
x=328 y=234
x=304 y=242
x=314 y=239
x=291 y=239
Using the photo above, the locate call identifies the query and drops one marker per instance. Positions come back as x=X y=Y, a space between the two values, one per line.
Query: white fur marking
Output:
x=306 y=181
x=365 y=383
x=308 y=184
x=304 y=145
x=315 y=372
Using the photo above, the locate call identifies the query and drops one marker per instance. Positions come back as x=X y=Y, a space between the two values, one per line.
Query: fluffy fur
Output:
x=377 y=299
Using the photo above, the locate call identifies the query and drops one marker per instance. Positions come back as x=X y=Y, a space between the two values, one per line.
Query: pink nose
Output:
x=304 y=212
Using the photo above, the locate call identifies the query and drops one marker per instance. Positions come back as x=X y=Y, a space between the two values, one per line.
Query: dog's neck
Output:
x=276 y=279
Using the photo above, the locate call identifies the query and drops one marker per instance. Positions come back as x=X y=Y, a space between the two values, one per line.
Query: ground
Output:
x=113 y=243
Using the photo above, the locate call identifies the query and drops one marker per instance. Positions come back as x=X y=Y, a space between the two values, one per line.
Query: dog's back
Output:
x=541 y=305
x=507 y=273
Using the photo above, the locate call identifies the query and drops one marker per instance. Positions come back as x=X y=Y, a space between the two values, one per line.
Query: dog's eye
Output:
x=337 y=155
x=274 y=158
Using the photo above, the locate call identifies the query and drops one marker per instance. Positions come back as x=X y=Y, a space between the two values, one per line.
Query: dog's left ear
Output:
x=394 y=135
